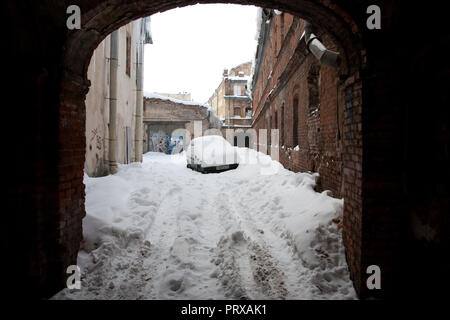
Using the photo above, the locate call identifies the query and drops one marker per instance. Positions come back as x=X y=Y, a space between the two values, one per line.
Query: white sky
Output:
x=192 y=46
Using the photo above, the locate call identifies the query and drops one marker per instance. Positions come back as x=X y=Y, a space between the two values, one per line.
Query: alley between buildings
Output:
x=157 y=230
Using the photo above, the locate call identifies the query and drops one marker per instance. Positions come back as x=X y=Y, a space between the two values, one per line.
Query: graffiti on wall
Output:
x=158 y=142
x=175 y=144
x=97 y=138
x=161 y=142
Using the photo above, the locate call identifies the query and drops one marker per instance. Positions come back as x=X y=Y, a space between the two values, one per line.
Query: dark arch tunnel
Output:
x=47 y=67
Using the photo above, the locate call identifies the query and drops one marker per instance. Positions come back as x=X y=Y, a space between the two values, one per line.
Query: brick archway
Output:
x=49 y=63
x=53 y=197
x=100 y=18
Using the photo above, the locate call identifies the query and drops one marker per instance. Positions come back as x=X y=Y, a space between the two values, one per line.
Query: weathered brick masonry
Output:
x=318 y=112
x=317 y=124
x=387 y=153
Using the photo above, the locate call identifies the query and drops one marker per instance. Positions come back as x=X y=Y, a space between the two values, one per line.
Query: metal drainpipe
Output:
x=325 y=56
x=113 y=66
x=139 y=99
x=228 y=111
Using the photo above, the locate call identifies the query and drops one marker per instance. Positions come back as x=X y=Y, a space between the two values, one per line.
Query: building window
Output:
x=276 y=120
x=237 y=112
x=313 y=89
x=295 y=122
x=282 y=125
x=128 y=65
x=247 y=141
x=235 y=141
x=237 y=90
x=127 y=145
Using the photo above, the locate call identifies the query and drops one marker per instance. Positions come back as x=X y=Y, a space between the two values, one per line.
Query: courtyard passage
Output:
x=158 y=230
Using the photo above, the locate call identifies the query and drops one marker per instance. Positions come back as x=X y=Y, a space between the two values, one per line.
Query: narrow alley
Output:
x=333 y=183
x=157 y=230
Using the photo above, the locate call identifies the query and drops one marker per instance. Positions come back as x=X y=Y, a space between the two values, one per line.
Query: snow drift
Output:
x=158 y=230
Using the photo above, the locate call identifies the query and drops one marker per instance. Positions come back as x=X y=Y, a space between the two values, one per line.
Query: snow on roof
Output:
x=244 y=78
x=236 y=126
x=241 y=118
x=235 y=97
x=188 y=103
x=213 y=119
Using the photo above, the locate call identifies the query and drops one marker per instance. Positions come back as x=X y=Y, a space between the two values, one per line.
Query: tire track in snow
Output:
x=161 y=236
x=232 y=258
x=191 y=252
x=250 y=262
x=134 y=267
x=276 y=264
x=277 y=244
x=183 y=238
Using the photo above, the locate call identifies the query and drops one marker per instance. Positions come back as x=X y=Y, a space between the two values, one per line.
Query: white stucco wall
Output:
x=97 y=103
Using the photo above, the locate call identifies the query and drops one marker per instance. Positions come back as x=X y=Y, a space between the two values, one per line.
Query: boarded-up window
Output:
x=127 y=145
x=313 y=89
x=128 y=66
x=282 y=125
x=276 y=120
x=295 y=122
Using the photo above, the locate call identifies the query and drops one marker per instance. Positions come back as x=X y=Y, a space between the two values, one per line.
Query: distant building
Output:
x=170 y=124
x=232 y=103
x=114 y=101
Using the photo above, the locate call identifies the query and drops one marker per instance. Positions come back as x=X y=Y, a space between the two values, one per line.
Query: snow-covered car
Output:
x=211 y=154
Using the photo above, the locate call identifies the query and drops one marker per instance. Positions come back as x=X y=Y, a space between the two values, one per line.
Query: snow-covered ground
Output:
x=157 y=230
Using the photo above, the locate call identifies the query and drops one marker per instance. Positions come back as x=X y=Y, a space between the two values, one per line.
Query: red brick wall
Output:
x=244 y=67
x=318 y=133
x=329 y=140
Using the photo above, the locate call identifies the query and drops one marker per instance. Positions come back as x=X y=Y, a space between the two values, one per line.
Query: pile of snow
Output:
x=158 y=230
x=209 y=151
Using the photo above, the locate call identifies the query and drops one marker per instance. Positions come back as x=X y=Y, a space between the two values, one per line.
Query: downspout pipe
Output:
x=139 y=97
x=315 y=46
x=113 y=67
x=145 y=37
